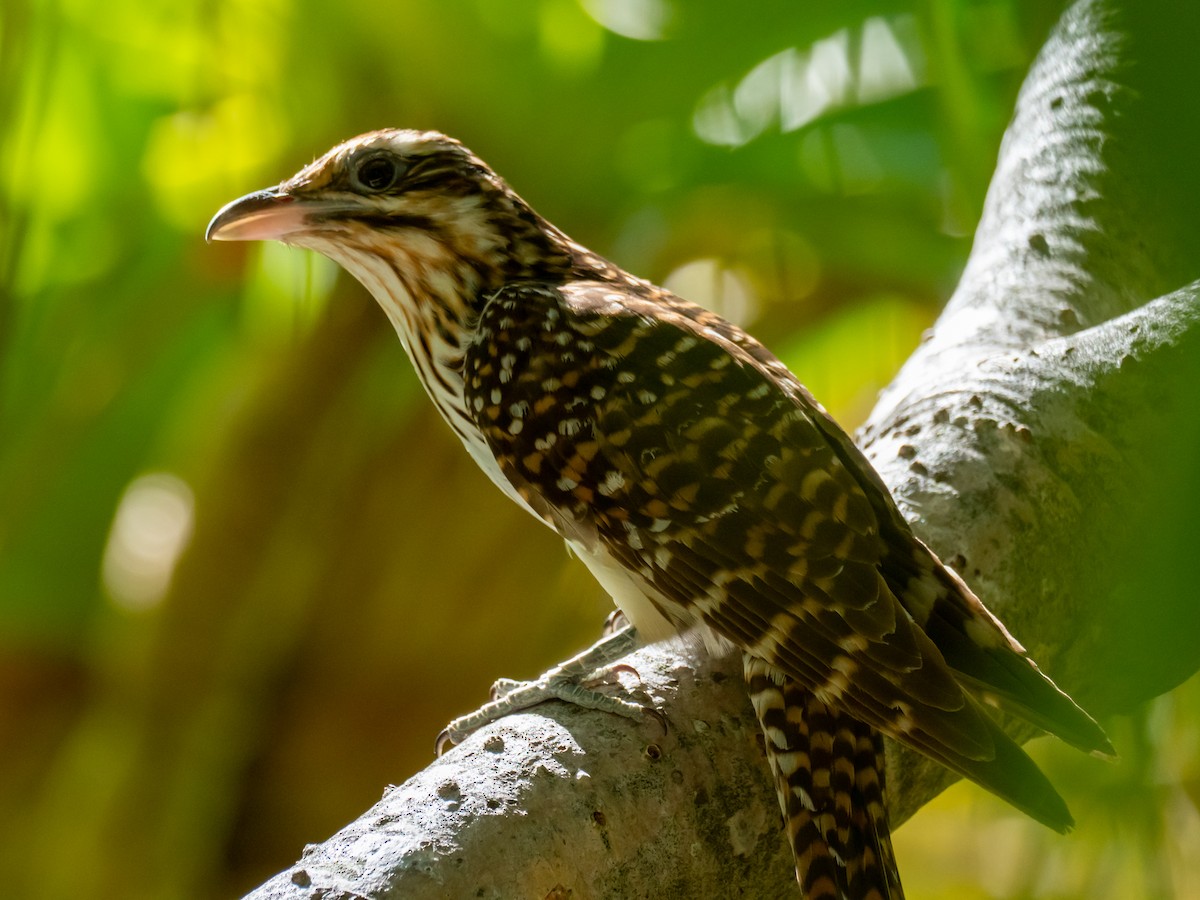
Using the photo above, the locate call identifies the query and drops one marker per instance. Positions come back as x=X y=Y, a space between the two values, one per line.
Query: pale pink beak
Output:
x=267 y=215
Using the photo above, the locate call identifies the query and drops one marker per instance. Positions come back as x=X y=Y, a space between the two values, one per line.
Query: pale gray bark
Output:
x=1042 y=440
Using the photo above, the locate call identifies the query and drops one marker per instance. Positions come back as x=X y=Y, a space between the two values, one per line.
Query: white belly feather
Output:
x=627 y=591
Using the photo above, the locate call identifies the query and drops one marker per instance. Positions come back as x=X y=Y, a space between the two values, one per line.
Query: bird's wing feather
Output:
x=691 y=454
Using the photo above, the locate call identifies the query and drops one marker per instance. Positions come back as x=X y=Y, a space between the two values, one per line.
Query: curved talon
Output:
x=614 y=622
x=625 y=667
x=658 y=715
x=443 y=741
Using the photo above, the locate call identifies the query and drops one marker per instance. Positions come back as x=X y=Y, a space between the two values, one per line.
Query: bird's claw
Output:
x=444 y=741
x=614 y=622
x=658 y=716
x=564 y=682
x=510 y=696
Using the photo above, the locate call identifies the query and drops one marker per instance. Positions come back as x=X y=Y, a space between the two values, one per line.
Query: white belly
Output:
x=628 y=591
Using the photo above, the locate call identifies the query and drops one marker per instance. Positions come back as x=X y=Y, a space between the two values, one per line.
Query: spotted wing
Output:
x=683 y=450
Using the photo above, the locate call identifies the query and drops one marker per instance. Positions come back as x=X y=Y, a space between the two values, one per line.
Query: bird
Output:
x=699 y=481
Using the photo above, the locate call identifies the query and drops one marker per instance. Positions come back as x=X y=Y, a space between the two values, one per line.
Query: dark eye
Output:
x=377 y=172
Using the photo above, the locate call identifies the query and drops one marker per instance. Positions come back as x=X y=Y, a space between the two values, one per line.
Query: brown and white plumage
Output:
x=828 y=769
x=697 y=479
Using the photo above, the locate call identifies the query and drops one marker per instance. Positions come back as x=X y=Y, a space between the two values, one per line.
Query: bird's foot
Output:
x=569 y=681
x=615 y=621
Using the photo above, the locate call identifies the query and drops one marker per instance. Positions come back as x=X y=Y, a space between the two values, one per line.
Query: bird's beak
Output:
x=267 y=215
x=274 y=214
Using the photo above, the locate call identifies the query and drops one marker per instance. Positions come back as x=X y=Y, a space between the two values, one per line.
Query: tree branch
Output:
x=1041 y=441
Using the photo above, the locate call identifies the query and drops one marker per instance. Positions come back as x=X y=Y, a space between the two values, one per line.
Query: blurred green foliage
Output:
x=245 y=575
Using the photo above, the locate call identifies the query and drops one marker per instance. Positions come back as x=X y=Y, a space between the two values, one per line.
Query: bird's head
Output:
x=417 y=205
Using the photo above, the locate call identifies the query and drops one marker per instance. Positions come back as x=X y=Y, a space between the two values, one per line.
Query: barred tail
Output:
x=828 y=771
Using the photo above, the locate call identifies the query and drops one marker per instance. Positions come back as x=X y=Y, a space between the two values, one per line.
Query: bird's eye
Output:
x=377 y=172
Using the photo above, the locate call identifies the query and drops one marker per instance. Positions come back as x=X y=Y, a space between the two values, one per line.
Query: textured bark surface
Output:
x=1042 y=440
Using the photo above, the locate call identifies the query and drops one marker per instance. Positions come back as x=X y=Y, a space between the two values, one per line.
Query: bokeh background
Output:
x=245 y=573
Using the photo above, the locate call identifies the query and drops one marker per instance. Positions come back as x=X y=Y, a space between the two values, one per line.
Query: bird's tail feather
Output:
x=828 y=770
x=991 y=664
